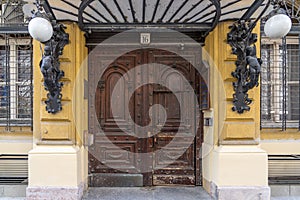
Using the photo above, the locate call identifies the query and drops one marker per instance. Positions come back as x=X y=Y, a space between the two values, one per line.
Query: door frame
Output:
x=199 y=138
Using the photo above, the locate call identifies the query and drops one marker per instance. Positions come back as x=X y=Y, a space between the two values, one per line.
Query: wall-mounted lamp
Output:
x=53 y=36
x=40 y=29
x=278 y=24
x=242 y=41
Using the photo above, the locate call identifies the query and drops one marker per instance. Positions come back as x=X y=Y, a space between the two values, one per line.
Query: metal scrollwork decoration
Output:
x=50 y=68
x=248 y=65
x=50 y=65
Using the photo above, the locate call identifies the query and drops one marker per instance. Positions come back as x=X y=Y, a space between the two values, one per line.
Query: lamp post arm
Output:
x=46 y=6
x=260 y=16
x=253 y=8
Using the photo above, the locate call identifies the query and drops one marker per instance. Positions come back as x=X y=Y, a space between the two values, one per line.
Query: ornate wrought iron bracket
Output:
x=50 y=67
x=242 y=41
x=248 y=66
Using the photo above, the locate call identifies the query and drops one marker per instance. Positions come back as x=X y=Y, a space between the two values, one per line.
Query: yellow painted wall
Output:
x=230 y=126
x=231 y=156
x=51 y=128
x=15 y=143
x=59 y=126
x=277 y=134
x=281 y=147
x=58 y=154
x=239 y=165
x=278 y=142
x=236 y=155
x=54 y=167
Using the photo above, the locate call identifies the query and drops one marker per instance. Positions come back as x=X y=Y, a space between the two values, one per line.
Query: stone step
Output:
x=146 y=193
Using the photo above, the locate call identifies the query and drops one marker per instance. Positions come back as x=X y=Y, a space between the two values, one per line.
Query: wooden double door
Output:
x=148 y=119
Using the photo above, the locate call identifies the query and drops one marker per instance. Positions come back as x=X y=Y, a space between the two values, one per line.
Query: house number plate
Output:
x=145 y=38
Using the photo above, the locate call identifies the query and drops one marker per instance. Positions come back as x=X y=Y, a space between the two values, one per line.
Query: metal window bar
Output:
x=6 y=89
x=280 y=74
x=299 y=81
x=284 y=84
x=293 y=82
x=16 y=86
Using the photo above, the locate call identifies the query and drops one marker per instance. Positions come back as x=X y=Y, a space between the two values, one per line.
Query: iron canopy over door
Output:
x=154 y=155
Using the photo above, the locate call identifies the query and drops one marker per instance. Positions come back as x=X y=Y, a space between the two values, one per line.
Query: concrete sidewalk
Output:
x=156 y=193
x=149 y=193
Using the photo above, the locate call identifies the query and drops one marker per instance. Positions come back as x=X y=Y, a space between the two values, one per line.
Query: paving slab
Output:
x=286 y=198
x=149 y=193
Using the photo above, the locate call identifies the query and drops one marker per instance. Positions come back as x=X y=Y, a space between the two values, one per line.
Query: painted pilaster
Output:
x=56 y=162
x=235 y=167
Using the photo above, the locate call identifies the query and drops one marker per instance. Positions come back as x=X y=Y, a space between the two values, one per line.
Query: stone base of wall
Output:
x=238 y=192
x=55 y=193
x=12 y=191
x=285 y=190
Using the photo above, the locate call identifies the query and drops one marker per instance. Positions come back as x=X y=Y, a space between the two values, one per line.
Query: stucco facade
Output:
x=234 y=151
x=234 y=157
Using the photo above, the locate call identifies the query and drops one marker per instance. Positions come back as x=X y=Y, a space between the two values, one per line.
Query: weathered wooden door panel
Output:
x=110 y=155
x=174 y=163
x=107 y=147
x=173 y=142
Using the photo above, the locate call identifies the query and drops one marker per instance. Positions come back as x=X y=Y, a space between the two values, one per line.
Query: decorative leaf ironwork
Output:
x=247 y=70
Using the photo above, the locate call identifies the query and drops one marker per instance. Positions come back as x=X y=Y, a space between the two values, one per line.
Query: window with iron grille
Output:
x=280 y=83
x=15 y=81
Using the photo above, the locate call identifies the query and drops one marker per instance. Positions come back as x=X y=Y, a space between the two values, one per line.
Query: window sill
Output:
x=278 y=125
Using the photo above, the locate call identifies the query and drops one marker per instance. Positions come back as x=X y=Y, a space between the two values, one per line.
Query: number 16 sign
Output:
x=145 y=38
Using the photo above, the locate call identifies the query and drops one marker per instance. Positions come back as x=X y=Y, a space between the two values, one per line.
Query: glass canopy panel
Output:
x=154 y=9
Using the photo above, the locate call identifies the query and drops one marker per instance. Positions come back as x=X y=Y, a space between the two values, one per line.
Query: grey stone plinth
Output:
x=245 y=193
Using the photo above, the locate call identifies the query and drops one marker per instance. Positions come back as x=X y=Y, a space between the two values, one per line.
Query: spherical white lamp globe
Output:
x=278 y=26
x=40 y=29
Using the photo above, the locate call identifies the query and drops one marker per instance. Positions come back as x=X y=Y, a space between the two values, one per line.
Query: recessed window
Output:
x=280 y=83
x=16 y=89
